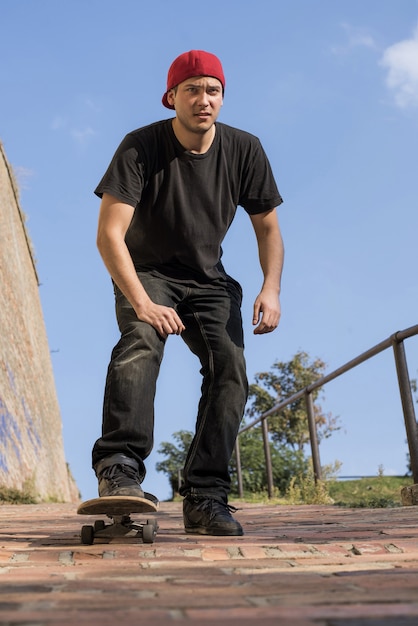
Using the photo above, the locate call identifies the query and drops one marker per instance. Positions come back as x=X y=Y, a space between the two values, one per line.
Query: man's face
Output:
x=197 y=102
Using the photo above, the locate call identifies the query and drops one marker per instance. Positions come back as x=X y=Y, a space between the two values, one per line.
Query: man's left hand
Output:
x=266 y=312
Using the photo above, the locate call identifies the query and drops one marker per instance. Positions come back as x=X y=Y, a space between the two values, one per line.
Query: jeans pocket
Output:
x=234 y=288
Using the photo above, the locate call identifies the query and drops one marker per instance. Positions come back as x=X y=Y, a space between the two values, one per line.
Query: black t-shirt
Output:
x=184 y=202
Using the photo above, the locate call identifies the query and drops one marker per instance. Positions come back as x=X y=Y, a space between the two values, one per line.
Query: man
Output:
x=168 y=198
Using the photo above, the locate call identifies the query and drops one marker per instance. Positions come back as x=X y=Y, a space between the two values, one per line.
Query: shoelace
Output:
x=120 y=475
x=216 y=506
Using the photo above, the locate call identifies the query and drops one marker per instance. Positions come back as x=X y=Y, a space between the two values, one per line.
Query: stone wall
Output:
x=31 y=447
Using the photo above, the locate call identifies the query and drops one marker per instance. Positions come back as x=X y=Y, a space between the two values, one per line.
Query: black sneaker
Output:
x=209 y=516
x=118 y=476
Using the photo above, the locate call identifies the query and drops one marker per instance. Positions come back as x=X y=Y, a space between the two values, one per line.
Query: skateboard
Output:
x=119 y=509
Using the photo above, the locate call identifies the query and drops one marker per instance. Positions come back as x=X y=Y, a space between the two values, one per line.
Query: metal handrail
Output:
x=396 y=342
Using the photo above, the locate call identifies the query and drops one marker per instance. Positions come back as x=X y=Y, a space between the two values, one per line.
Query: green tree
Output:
x=290 y=426
x=286 y=463
x=289 y=432
x=175 y=459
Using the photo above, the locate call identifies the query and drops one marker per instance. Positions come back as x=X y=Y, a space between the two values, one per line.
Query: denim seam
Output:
x=198 y=434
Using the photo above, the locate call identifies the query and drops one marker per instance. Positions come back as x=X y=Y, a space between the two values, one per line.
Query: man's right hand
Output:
x=164 y=319
x=114 y=220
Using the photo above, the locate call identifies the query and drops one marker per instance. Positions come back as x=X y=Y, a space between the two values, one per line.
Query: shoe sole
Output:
x=216 y=532
x=124 y=492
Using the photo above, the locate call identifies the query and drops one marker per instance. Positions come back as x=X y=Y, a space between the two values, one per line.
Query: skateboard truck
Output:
x=119 y=509
x=121 y=526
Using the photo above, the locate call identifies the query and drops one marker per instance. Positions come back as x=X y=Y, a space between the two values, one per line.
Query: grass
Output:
x=375 y=492
x=14 y=496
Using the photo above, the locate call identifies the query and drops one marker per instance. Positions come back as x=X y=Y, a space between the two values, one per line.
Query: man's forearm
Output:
x=119 y=264
x=271 y=254
x=270 y=249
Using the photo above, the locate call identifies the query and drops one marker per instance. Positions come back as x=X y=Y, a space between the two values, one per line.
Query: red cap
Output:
x=193 y=63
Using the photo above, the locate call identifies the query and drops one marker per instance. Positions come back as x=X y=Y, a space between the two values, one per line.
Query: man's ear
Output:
x=170 y=97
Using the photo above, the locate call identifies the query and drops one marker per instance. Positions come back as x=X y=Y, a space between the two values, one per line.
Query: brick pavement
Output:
x=296 y=565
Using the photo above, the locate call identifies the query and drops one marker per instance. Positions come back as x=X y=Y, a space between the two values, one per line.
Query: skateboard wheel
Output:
x=99 y=525
x=87 y=535
x=152 y=522
x=148 y=533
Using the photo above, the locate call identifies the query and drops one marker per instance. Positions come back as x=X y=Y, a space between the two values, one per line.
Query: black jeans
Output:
x=212 y=317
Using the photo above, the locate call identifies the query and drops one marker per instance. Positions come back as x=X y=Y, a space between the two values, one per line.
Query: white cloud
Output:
x=355 y=38
x=58 y=123
x=90 y=104
x=358 y=37
x=23 y=175
x=401 y=62
x=75 y=122
x=82 y=135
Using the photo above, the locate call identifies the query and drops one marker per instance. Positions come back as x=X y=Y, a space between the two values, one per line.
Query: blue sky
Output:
x=331 y=89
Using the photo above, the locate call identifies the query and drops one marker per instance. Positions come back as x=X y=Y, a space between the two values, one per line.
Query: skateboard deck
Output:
x=119 y=509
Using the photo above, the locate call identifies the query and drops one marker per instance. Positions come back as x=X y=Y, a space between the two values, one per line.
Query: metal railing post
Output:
x=267 y=454
x=239 y=469
x=394 y=341
x=407 y=404
x=313 y=437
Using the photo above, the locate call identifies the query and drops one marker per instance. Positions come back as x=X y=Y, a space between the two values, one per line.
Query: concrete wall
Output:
x=31 y=446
